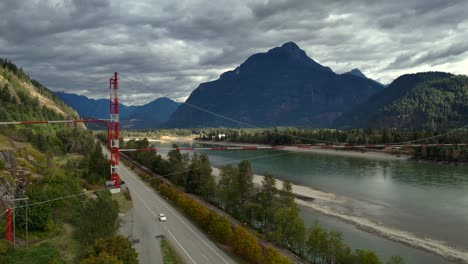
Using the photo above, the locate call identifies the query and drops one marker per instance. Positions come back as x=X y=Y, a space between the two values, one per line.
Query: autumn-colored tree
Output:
x=220 y=228
x=117 y=246
x=102 y=258
x=272 y=256
x=246 y=245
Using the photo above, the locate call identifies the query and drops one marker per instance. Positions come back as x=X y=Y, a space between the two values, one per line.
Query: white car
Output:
x=162 y=217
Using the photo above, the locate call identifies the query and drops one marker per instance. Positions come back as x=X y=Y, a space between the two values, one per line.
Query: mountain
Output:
x=428 y=100
x=282 y=87
x=358 y=73
x=87 y=107
x=149 y=115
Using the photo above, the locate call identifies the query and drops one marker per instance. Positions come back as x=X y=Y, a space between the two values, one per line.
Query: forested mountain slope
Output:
x=429 y=100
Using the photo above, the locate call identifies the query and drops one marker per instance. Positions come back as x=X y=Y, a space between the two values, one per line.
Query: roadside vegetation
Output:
x=168 y=253
x=263 y=212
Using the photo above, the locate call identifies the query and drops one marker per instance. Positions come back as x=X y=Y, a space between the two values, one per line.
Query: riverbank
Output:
x=329 y=204
x=370 y=154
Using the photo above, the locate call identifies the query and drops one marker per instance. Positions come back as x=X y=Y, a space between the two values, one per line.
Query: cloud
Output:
x=166 y=48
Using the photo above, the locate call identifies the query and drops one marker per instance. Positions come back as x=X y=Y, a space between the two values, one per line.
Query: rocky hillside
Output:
x=282 y=87
x=24 y=149
x=23 y=98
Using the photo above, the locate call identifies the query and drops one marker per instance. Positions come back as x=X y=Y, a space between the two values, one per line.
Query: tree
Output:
x=97 y=219
x=316 y=244
x=39 y=214
x=246 y=245
x=366 y=257
x=177 y=164
x=116 y=246
x=102 y=258
x=272 y=256
x=207 y=181
x=396 y=260
x=227 y=194
x=220 y=228
x=192 y=180
x=286 y=194
x=267 y=200
x=243 y=185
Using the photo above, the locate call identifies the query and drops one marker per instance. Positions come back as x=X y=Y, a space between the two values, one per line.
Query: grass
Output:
x=67 y=247
x=60 y=239
x=125 y=203
x=169 y=255
x=5 y=144
x=63 y=160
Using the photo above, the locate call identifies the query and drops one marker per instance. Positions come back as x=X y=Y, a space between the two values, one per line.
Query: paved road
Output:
x=191 y=243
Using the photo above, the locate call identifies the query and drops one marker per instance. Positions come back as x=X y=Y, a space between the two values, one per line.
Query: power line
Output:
x=3 y=213
x=61 y=198
x=317 y=140
x=159 y=176
x=220 y=164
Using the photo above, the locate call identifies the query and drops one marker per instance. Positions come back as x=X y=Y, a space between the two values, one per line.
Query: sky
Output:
x=167 y=48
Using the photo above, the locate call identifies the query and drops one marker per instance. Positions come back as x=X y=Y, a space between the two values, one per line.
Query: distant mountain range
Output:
x=282 y=87
x=150 y=115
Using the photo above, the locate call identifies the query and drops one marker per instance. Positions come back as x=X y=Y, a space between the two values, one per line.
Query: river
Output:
x=427 y=200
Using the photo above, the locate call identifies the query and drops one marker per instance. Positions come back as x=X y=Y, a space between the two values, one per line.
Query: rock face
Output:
x=8 y=183
x=8 y=159
x=282 y=87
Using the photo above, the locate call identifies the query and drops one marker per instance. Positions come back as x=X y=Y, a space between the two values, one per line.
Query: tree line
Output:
x=292 y=136
x=272 y=212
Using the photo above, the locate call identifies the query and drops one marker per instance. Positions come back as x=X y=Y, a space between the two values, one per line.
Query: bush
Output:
x=42 y=254
x=116 y=246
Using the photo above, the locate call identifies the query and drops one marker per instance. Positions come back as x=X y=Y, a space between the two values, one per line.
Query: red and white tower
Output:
x=114 y=131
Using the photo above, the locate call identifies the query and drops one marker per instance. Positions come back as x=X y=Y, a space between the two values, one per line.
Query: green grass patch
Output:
x=125 y=204
x=5 y=144
x=67 y=247
x=169 y=255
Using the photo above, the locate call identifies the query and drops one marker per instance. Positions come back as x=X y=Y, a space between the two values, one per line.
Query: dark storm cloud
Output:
x=166 y=48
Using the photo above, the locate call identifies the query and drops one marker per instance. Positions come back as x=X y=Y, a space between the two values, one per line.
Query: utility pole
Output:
x=14 y=220
x=8 y=227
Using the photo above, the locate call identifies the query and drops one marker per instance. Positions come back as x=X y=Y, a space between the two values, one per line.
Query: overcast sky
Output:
x=166 y=48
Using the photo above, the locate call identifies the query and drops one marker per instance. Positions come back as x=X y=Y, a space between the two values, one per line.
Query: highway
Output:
x=190 y=243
